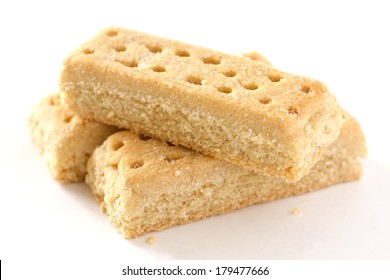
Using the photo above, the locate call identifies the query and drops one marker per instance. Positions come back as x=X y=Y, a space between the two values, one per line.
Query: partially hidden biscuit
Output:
x=146 y=185
x=225 y=106
x=65 y=140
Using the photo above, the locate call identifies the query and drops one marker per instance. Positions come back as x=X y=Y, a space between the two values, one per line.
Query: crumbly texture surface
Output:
x=225 y=106
x=65 y=140
x=146 y=185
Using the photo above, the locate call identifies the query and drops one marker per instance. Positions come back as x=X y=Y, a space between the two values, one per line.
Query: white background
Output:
x=344 y=44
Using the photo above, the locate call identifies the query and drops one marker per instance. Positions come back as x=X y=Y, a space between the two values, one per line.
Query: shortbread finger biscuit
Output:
x=221 y=105
x=65 y=140
x=146 y=185
x=49 y=124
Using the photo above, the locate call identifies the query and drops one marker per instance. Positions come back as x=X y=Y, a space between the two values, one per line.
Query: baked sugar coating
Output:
x=64 y=139
x=146 y=185
x=225 y=106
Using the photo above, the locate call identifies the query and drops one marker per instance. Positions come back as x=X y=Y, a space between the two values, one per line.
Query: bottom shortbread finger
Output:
x=65 y=140
x=146 y=185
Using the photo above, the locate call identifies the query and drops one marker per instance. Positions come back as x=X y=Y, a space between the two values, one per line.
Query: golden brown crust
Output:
x=64 y=139
x=147 y=185
x=221 y=105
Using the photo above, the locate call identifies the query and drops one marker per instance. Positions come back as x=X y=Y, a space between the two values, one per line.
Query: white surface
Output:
x=345 y=46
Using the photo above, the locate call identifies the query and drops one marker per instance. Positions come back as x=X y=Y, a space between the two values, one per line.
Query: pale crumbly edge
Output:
x=64 y=139
x=271 y=120
x=146 y=185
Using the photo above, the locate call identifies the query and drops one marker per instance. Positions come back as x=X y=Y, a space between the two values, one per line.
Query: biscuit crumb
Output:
x=295 y=211
x=151 y=240
x=177 y=173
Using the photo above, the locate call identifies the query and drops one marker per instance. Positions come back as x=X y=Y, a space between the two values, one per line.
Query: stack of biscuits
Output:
x=166 y=133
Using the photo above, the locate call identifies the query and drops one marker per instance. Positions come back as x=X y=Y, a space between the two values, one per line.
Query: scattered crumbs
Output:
x=295 y=211
x=151 y=240
x=177 y=173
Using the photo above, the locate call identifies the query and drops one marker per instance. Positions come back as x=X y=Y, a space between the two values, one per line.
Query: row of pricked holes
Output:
x=197 y=81
x=183 y=53
x=223 y=89
x=158 y=49
x=134 y=64
x=265 y=100
x=190 y=79
x=251 y=86
x=153 y=49
x=206 y=60
x=140 y=163
x=209 y=60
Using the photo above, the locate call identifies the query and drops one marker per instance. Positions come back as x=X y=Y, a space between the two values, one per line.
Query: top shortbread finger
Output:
x=222 y=105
